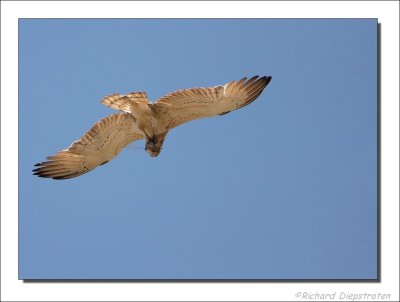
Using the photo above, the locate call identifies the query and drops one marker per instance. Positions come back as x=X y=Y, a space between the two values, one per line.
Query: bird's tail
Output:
x=124 y=102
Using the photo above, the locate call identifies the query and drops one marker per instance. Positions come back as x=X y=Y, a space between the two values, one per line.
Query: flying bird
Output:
x=138 y=119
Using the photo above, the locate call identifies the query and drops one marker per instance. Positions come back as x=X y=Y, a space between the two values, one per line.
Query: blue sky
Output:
x=284 y=188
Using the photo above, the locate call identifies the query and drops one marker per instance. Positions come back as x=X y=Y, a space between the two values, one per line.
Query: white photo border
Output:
x=13 y=289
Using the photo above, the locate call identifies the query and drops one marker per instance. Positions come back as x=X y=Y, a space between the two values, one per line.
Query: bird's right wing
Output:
x=185 y=105
x=96 y=147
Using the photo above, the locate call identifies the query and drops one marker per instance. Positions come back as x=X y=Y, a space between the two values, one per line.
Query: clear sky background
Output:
x=284 y=188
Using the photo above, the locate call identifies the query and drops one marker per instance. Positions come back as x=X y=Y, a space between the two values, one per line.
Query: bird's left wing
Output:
x=96 y=147
x=182 y=106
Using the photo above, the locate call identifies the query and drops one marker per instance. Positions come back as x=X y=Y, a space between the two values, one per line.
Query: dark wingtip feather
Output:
x=251 y=81
x=37 y=172
x=254 y=87
x=267 y=79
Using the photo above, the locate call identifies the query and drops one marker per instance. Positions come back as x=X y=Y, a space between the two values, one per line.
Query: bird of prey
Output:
x=138 y=119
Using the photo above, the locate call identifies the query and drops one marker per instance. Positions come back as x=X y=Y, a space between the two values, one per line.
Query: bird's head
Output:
x=154 y=144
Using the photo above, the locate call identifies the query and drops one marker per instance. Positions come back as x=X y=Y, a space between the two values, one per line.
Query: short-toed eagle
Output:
x=141 y=119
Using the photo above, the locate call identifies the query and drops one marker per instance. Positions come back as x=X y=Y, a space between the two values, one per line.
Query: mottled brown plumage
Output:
x=141 y=119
